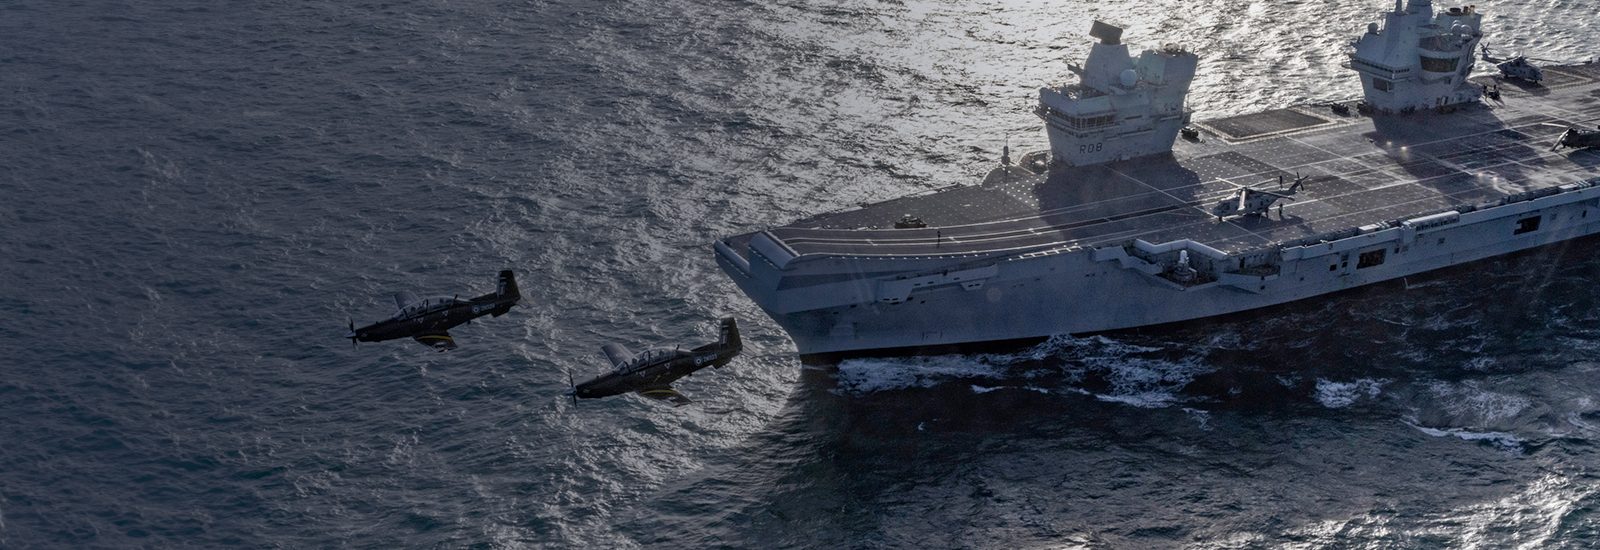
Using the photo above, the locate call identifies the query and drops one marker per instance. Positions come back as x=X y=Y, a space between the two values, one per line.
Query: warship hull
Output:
x=1135 y=243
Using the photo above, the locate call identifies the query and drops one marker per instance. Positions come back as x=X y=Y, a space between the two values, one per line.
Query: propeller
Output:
x=573 y=393
x=352 y=335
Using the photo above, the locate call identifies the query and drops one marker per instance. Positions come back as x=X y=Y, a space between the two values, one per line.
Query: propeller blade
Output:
x=352 y=332
x=574 y=386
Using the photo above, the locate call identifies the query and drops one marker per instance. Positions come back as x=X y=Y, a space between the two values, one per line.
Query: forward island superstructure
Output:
x=1122 y=107
x=1123 y=225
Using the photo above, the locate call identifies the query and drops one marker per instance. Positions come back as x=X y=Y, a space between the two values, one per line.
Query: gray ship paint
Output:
x=1092 y=243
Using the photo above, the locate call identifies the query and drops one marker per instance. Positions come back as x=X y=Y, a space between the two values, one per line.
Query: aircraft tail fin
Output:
x=728 y=343
x=729 y=337
x=507 y=285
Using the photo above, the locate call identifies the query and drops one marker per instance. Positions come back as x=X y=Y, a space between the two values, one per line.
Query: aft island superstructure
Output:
x=1122 y=225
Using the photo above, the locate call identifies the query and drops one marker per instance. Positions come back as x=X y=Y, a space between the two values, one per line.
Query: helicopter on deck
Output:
x=1250 y=201
x=1578 y=138
x=1515 y=68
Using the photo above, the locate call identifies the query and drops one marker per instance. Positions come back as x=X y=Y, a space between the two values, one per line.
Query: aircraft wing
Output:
x=401 y=299
x=616 y=354
x=439 y=340
x=666 y=393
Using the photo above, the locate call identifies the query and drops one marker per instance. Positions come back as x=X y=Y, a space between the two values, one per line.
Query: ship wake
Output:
x=1103 y=368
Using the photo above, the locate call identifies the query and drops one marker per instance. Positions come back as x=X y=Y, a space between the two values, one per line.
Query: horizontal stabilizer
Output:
x=665 y=393
x=437 y=340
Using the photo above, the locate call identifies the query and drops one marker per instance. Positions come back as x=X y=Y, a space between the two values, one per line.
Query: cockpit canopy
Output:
x=427 y=305
x=647 y=357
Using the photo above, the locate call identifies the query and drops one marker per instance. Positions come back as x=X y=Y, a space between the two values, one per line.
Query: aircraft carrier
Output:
x=1122 y=225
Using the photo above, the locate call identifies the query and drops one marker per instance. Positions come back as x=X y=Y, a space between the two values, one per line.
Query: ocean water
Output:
x=195 y=197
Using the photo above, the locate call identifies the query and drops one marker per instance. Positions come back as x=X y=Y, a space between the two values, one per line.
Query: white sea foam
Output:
x=1337 y=395
x=1133 y=379
x=1502 y=440
x=1528 y=519
x=1203 y=418
x=1148 y=383
x=986 y=389
x=1143 y=400
x=1470 y=403
x=863 y=376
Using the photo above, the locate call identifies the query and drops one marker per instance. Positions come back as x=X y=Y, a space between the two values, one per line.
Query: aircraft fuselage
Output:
x=657 y=372
x=428 y=321
x=435 y=318
x=651 y=374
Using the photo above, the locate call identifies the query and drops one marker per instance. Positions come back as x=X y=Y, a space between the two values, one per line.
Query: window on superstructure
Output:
x=1376 y=68
x=1091 y=122
x=1440 y=65
x=1382 y=85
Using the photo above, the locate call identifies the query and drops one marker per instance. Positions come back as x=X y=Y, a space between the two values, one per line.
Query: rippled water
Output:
x=198 y=195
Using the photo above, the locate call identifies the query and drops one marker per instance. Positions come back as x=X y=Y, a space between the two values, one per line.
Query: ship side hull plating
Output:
x=1091 y=290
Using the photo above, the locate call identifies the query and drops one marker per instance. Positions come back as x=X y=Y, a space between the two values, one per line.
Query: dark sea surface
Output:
x=196 y=196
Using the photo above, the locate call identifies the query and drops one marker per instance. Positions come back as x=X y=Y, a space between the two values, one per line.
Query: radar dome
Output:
x=1129 y=78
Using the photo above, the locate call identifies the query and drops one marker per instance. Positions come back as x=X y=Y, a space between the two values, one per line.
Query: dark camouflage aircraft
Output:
x=428 y=320
x=650 y=374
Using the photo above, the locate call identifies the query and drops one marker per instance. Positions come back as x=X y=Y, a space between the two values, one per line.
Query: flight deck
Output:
x=1360 y=170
